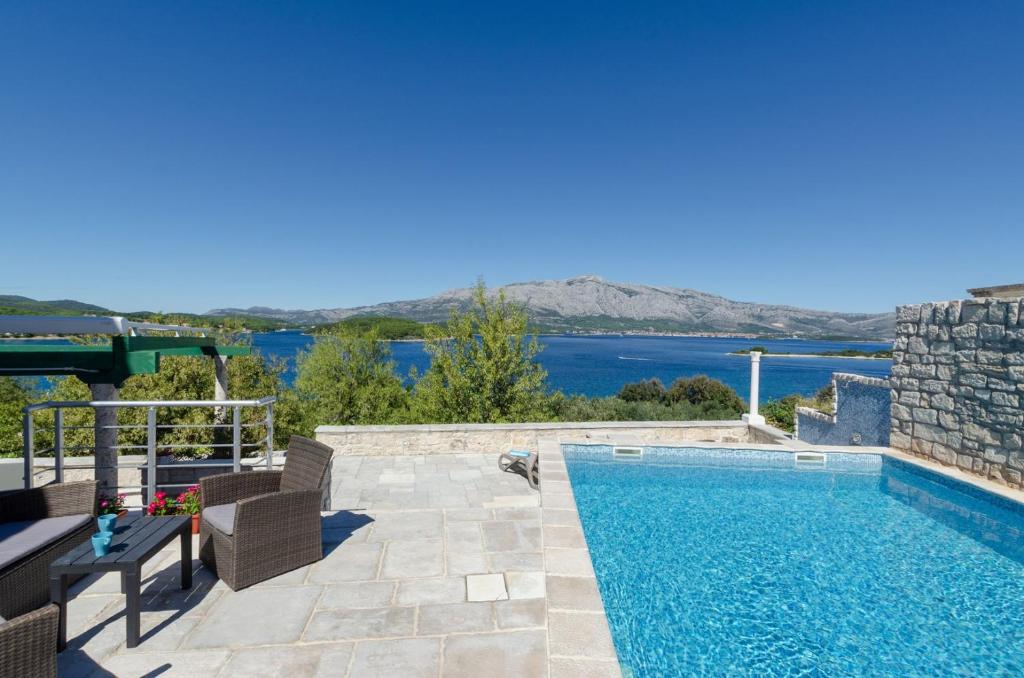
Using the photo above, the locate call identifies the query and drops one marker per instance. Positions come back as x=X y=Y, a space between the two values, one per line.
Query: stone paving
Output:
x=434 y=566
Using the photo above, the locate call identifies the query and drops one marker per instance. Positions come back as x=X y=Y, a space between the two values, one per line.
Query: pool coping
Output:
x=581 y=642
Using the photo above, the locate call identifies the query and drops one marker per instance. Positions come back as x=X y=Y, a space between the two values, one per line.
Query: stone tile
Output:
x=574 y=667
x=564 y=536
x=406 y=525
x=510 y=535
x=242 y=618
x=573 y=593
x=555 y=516
x=514 y=501
x=357 y=595
x=560 y=500
x=454 y=618
x=496 y=655
x=466 y=563
x=470 y=514
x=580 y=634
x=404 y=658
x=517 y=614
x=296 y=577
x=410 y=559
x=300 y=660
x=532 y=513
x=431 y=591
x=180 y=664
x=485 y=587
x=464 y=537
x=571 y=562
x=525 y=584
x=514 y=562
x=348 y=562
x=359 y=624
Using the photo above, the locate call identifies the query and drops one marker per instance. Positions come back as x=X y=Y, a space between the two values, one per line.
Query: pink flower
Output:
x=104 y=503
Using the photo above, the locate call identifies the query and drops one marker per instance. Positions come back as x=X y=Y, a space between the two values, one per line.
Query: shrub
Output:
x=703 y=389
x=650 y=390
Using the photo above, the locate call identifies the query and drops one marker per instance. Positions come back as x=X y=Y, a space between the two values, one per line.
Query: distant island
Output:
x=885 y=354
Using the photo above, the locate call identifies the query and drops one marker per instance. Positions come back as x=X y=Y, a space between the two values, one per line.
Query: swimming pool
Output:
x=734 y=562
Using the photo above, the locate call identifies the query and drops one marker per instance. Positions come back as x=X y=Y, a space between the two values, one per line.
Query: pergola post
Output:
x=105 y=437
x=221 y=436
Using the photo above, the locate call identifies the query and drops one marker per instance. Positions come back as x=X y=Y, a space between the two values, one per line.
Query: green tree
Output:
x=703 y=389
x=650 y=390
x=348 y=380
x=482 y=366
x=13 y=397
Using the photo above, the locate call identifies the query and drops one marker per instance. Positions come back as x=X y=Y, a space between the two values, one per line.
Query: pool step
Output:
x=809 y=460
x=626 y=453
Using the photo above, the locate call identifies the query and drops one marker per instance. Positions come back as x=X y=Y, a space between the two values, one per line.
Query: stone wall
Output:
x=457 y=438
x=958 y=383
x=861 y=405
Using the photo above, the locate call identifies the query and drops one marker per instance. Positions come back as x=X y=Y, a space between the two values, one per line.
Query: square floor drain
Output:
x=485 y=587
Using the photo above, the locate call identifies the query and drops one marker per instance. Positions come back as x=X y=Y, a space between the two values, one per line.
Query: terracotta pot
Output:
x=122 y=513
x=195 y=524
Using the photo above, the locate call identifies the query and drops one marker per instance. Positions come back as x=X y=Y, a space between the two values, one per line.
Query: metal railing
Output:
x=155 y=438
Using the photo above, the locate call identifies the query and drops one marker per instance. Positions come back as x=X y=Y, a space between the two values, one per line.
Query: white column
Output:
x=755 y=388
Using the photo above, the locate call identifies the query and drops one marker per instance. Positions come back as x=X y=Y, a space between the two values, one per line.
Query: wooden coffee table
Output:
x=136 y=540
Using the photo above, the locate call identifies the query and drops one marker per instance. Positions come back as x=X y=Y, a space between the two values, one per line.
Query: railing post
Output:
x=28 y=446
x=270 y=435
x=755 y=388
x=58 y=445
x=236 y=438
x=150 y=454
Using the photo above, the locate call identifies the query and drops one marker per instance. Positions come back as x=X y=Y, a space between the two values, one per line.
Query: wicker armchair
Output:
x=260 y=524
x=24 y=583
x=28 y=644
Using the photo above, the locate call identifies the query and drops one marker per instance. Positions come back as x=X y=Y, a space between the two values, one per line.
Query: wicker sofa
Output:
x=260 y=524
x=38 y=526
x=28 y=644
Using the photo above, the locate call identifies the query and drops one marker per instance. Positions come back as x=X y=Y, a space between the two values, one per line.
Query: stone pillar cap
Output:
x=999 y=291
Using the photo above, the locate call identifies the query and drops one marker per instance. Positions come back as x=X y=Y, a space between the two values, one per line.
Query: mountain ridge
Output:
x=590 y=303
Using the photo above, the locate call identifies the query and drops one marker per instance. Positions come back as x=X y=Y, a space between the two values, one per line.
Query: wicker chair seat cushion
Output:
x=24 y=537
x=221 y=517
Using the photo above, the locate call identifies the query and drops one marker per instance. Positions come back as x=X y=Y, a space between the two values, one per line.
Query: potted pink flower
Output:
x=161 y=505
x=112 y=504
x=189 y=504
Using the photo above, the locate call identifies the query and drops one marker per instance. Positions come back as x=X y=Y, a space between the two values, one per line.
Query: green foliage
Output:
x=386 y=329
x=581 y=408
x=650 y=390
x=348 y=380
x=781 y=413
x=13 y=397
x=745 y=351
x=482 y=366
x=703 y=389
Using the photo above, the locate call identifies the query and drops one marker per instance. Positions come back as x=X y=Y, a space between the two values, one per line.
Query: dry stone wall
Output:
x=958 y=385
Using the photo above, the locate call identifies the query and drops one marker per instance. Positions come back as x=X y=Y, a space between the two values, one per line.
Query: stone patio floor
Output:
x=402 y=590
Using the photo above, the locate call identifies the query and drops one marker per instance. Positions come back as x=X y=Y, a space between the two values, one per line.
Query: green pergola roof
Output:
x=107 y=363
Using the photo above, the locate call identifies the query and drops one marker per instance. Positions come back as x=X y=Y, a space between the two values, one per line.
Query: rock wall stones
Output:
x=958 y=385
x=862 y=414
x=463 y=438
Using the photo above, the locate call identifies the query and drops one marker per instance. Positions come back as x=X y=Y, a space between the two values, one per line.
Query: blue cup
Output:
x=101 y=543
x=107 y=522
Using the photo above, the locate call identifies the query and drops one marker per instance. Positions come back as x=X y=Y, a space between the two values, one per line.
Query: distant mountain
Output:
x=591 y=304
x=15 y=305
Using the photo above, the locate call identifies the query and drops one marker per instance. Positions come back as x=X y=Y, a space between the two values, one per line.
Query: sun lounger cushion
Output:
x=24 y=537
x=522 y=454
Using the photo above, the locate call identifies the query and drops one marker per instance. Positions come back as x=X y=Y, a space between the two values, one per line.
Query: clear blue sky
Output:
x=188 y=155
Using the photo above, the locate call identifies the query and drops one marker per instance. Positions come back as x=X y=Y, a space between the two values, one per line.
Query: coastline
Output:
x=813 y=355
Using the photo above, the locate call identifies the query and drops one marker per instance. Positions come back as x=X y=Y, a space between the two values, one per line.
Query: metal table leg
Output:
x=186 y=557
x=59 y=597
x=133 y=596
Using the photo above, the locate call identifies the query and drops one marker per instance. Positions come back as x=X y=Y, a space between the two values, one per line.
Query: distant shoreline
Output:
x=813 y=355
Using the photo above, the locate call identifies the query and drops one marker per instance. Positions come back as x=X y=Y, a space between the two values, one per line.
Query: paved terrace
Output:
x=434 y=566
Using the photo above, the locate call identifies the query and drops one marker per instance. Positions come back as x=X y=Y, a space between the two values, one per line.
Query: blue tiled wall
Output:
x=862 y=417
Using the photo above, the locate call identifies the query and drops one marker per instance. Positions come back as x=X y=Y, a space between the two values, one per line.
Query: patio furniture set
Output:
x=254 y=526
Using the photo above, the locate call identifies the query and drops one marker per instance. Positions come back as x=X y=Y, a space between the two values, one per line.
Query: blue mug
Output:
x=107 y=521
x=101 y=543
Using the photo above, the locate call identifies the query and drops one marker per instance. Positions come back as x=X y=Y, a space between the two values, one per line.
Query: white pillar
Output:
x=755 y=388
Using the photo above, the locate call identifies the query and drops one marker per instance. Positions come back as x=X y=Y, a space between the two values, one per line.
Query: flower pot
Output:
x=195 y=524
x=122 y=513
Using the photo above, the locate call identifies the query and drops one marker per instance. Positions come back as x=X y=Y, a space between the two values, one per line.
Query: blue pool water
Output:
x=736 y=563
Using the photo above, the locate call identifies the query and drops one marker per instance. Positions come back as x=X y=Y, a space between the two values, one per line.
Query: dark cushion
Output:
x=221 y=517
x=24 y=537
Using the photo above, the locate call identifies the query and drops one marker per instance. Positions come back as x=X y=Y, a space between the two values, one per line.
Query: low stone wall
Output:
x=449 y=438
x=862 y=408
x=958 y=383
